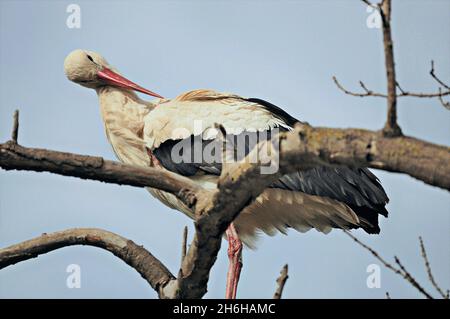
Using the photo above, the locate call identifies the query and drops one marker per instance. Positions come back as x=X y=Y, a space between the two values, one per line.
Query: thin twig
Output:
x=365 y=94
x=402 y=271
x=370 y=93
x=436 y=78
x=15 y=130
x=424 y=95
x=373 y=252
x=445 y=104
x=407 y=275
x=364 y=87
x=399 y=87
x=428 y=268
x=281 y=281
x=368 y=3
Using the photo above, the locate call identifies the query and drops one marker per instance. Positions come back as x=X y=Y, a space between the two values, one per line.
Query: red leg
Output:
x=235 y=260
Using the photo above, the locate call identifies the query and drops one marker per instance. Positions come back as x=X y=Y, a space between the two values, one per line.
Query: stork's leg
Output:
x=235 y=262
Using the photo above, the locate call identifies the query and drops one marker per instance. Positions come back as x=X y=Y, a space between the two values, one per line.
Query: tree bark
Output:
x=14 y=156
x=148 y=266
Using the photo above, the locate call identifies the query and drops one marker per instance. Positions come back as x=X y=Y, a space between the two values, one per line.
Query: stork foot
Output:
x=235 y=262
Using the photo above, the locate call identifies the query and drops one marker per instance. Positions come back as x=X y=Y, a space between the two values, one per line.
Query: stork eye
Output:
x=90 y=58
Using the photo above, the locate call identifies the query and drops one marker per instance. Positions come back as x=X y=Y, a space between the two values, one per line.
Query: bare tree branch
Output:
x=444 y=104
x=148 y=266
x=404 y=93
x=15 y=130
x=407 y=275
x=436 y=78
x=368 y=3
x=428 y=268
x=183 y=251
x=281 y=281
x=241 y=183
x=400 y=271
x=391 y=127
x=14 y=156
x=311 y=146
x=427 y=162
x=367 y=92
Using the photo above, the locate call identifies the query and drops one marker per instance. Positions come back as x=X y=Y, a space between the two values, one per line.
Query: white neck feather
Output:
x=123 y=113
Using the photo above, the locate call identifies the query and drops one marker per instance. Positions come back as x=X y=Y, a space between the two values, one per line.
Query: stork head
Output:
x=91 y=70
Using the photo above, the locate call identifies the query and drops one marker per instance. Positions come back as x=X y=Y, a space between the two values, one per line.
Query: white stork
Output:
x=144 y=133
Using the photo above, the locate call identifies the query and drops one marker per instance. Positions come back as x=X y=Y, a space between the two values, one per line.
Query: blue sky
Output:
x=285 y=52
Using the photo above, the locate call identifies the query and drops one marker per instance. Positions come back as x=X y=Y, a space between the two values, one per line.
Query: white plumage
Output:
x=162 y=119
x=137 y=129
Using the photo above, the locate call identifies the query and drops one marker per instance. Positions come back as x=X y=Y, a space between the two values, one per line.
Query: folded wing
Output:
x=320 y=198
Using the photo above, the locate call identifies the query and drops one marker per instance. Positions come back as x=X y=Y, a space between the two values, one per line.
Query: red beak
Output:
x=113 y=78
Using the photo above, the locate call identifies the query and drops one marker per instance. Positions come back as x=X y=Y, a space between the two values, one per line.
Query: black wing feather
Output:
x=186 y=167
x=352 y=186
x=277 y=111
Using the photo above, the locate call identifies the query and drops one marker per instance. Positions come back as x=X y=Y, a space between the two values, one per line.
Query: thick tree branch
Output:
x=425 y=161
x=14 y=156
x=391 y=128
x=422 y=160
x=148 y=266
